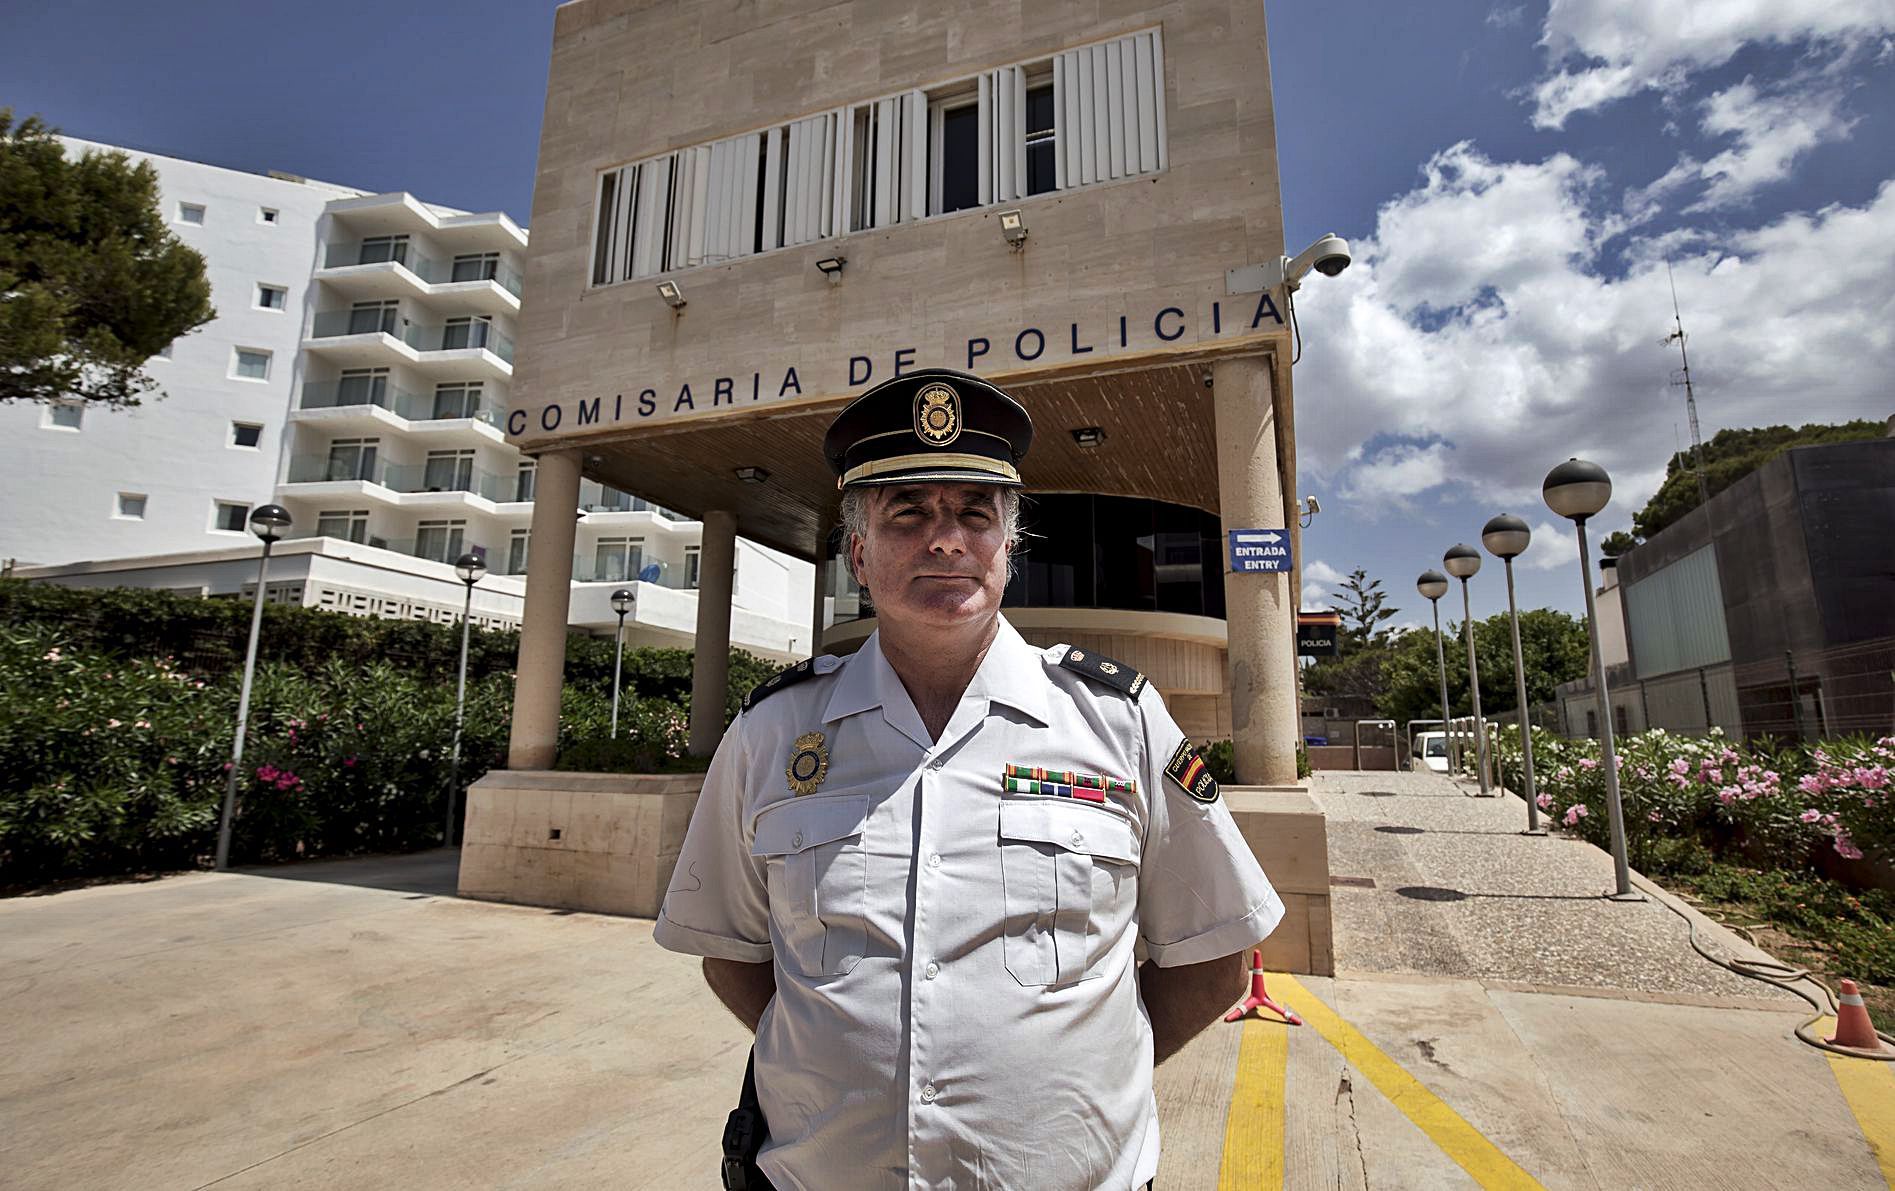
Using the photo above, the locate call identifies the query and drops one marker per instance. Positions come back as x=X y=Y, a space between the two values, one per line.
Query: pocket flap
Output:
x=798 y=824
x=1073 y=826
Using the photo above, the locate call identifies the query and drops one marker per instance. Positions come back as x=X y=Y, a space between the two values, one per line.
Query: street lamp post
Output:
x=1576 y=490
x=1433 y=585
x=623 y=600
x=268 y=522
x=1507 y=537
x=470 y=567
x=1463 y=561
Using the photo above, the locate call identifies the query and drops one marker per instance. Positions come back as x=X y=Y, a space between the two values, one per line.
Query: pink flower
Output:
x=268 y=773
x=1810 y=815
x=1810 y=784
x=113 y=724
x=142 y=724
x=1655 y=817
x=1575 y=813
x=1588 y=763
x=348 y=762
x=1727 y=796
x=1680 y=766
x=1846 y=848
x=1545 y=801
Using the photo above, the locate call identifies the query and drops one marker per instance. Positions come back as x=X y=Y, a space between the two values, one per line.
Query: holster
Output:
x=745 y=1131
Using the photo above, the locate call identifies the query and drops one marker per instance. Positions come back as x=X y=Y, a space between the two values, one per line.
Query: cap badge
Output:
x=809 y=763
x=938 y=415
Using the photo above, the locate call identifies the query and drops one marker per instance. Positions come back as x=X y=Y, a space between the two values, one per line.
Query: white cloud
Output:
x=1599 y=51
x=1767 y=131
x=1319 y=578
x=1554 y=545
x=1478 y=339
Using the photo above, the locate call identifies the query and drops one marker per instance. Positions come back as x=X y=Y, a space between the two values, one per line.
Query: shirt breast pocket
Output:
x=1067 y=869
x=819 y=876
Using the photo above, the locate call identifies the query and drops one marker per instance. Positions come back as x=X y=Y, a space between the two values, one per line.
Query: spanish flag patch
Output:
x=1187 y=768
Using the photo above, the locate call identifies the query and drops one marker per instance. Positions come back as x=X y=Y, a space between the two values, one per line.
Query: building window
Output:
x=272 y=297
x=362 y=386
x=529 y=472
x=366 y=318
x=376 y=249
x=246 y=434
x=468 y=331
x=955 y=168
x=517 y=551
x=618 y=560
x=63 y=415
x=449 y=471
x=459 y=400
x=266 y=214
x=230 y=516
x=351 y=525
x=693 y=566
x=476 y=266
x=192 y=213
x=1042 y=141
x=131 y=506
x=440 y=541
x=353 y=459
x=251 y=364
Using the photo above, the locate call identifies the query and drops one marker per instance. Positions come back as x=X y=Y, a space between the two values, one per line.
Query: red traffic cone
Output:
x=1853 y=1028
x=1259 y=997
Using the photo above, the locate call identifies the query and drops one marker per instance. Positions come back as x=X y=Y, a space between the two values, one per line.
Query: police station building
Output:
x=746 y=214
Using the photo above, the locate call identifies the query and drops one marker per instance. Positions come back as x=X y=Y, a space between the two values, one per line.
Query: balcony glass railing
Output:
x=416 y=407
x=402 y=477
x=436 y=547
x=421 y=337
x=591 y=568
x=433 y=270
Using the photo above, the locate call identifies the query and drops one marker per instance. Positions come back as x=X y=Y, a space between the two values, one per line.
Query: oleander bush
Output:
x=117 y=709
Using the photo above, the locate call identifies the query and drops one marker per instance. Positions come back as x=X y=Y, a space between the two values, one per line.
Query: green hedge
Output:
x=116 y=710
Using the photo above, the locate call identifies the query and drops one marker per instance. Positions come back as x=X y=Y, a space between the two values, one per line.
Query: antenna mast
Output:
x=1690 y=398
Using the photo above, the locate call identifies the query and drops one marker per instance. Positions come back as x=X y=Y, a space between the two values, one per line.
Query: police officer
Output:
x=926 y=874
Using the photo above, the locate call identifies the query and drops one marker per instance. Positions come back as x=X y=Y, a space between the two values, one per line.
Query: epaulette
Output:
x=801 y=671
x=1103 y=669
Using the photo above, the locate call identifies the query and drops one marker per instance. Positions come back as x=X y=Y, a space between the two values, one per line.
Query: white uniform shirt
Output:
x=956 y=982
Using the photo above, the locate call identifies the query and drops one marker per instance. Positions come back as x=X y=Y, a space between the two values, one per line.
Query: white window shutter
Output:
x=1082 y=127
x=700 y=200
x=916 y=148
x=985 y=152
x=827 y=196
x=886 y=162
x=1114 y=113
x=1101 y=116
x=1061 y=139
x=1147 y=107
x=1158 y=88
x=1017 y=133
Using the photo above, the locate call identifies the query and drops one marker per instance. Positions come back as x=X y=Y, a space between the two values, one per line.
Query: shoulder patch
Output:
x=1187 y=768
x=1103 y=669
x=782 y=680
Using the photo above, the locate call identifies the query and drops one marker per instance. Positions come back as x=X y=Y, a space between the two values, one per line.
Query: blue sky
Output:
x=1513 y=176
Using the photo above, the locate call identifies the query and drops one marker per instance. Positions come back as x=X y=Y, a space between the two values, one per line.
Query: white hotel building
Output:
x=358 y=373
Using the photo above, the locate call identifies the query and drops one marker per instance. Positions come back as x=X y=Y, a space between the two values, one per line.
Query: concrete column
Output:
x=542 y=663
x=816 y=605
x=710 y=666
x=1260 y=609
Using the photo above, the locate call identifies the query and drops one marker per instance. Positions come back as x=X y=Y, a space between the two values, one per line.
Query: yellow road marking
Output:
x=1253 y=1130
x=1869 y=1087
x=1459 y=1140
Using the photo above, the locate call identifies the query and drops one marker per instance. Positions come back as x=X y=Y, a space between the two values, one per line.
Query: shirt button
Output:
x=933 y=970
x=934 y=861
x=935 y=764
x=797 y=842
x=927 y=1094
x=1078 y=839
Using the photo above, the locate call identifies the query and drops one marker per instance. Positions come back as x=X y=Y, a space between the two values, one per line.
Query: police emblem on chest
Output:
x=937 y=415
x=809 y=763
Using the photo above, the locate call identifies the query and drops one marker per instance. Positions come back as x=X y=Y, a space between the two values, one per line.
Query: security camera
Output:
x=1328 y=256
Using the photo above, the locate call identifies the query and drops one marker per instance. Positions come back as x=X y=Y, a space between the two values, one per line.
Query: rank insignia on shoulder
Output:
x=809 y=763
x=1187 y=768
x=1117 y=675
x=781 y=680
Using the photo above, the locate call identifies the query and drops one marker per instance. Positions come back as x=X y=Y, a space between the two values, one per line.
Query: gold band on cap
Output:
x=931 y=459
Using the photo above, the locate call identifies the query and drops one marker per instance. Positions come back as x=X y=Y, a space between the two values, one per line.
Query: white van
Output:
x=1431 y=751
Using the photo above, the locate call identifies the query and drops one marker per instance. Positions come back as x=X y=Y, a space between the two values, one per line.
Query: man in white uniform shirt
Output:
x=966 y=891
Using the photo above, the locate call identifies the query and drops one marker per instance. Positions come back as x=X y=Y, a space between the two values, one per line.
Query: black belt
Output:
x=745 y=1131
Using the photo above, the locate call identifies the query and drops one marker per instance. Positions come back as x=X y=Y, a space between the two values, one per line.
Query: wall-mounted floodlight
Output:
x=1089 y=436
x=673 y=296
x=1013 y=227
x=752 y=475
x=831 y=267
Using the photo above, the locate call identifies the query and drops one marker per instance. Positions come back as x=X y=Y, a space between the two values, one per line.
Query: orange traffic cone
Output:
x=1853 y=1028
x=1259 y=997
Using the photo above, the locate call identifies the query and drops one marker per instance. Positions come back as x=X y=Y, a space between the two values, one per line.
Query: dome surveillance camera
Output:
x=1332 y=255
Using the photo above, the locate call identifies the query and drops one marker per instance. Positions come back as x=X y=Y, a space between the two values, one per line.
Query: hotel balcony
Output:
x=365 y=269
x=379 y=339
x=353 y=407
x=413 y=486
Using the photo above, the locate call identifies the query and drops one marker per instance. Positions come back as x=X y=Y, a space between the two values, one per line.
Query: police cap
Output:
x=929 y=426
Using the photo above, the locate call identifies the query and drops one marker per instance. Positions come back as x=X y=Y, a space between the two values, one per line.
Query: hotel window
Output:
x=191 y=213
x=448 y=471
x=477 y=266
x=366 y=318
x=246 y=434
x=618 y=560
x=230 y=516
x=1091 y=114
x=529 y=472
x=468 y=331
x=439 y=540
x=516 y=551
x=693 y=565
x=353 y=459
x=376 y=249
x=131 y=506
x=272 y=297
x=251 y=364
x=458 y=400
x=266 y=214
x=362 y=386
x=63 y=415
x=351 y=525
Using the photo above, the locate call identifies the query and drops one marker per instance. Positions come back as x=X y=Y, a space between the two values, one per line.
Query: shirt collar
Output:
x=1013 y=672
